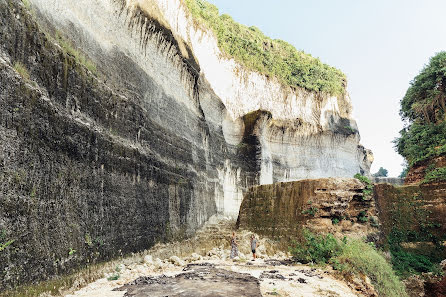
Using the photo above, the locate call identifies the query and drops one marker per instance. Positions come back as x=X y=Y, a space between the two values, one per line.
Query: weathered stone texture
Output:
x=283 y=209
x=410 y=206
x=86 y=173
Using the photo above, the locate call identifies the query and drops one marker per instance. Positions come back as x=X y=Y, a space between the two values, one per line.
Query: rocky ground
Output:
x=194 y=268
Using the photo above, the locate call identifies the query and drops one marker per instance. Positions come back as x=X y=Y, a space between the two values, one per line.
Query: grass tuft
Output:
x=360 y=257
x=272 y=57
x=68 y=48
x=21 y=69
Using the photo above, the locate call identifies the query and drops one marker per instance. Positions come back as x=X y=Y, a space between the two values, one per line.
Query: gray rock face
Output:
x=86 y=171
x=93 y=166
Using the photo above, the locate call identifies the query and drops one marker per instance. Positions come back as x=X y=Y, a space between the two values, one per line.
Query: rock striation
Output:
x=332 y=205
x=164 y=132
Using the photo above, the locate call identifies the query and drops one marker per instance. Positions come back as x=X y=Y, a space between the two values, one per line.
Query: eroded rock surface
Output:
x=199 y=280
x=97 y=162
x=323 y=205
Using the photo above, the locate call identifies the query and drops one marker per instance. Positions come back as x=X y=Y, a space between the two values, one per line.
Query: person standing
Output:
x=234 y=248
x=253 y=246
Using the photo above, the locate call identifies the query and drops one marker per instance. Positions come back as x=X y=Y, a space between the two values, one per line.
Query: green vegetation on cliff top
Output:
x=272 y=57
x=423 y=107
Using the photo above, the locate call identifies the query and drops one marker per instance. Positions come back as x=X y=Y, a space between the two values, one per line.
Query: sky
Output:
x=381 y=45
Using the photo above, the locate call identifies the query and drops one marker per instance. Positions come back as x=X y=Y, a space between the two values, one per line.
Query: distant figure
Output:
x=234 y=249
x=253 y=246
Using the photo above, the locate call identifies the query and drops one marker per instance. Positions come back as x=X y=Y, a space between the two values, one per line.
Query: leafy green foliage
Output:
x=421 y=141
x=316 y=248
x=350 y=256
x=425 y=98
x=412 y=223
x=423 y=107
x=360 y=257
x=251 y=48
x=435 y=175
x=406 y=263
x=71 y=251
x=382 y=172
x=310 y=211
x=368 y=190
x=362 y=217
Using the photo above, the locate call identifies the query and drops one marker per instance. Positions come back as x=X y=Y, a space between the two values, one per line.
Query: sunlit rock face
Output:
x=307 y=135
x=167 y=134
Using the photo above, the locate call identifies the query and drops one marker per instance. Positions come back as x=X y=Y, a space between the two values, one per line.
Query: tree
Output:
x=382 y=172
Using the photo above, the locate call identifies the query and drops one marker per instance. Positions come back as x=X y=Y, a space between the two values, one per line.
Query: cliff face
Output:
x=328 y=205
x=307 y=135
x=165 y=134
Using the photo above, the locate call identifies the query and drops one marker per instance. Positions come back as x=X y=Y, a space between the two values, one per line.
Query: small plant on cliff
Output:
x=71 y=252
x=3 y=242
x=310 y=211
x=116 y=275
x=362 y=217
x=368 y=190
x=68 y=48
x=21 y=69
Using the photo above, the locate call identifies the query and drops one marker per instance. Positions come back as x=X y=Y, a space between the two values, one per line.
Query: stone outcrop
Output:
x=321 y=205
x=412 y=207
x=164 y=134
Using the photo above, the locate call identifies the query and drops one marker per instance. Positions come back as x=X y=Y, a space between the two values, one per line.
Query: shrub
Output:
x=368 y=190
x=251 y=48
x=316 y=248
x=350 y=256
x=406 y=263
x=310 y=211
x=362 y=217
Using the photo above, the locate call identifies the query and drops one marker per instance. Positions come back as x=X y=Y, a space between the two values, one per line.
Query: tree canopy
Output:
x=423 y=109
x=382 y=172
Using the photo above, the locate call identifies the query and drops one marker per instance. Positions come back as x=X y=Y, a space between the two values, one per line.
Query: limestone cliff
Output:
x=302 y=134
x=166 y=132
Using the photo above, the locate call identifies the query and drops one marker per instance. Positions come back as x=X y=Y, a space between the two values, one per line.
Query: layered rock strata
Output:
x=165 y=133
x=330 y=205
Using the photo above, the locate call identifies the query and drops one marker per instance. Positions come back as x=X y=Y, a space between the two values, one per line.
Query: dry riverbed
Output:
x=184 y=269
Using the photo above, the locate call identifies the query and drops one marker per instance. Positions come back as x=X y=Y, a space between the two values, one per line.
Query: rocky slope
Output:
x=162 y=133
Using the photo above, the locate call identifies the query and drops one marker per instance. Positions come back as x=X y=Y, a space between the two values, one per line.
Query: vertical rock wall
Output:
x=166 y=132
x=332 y=205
